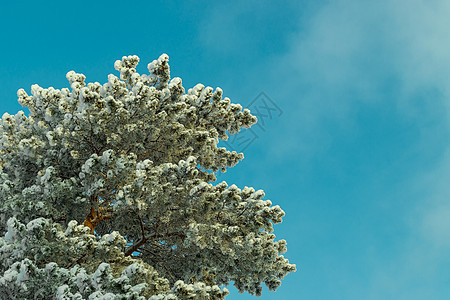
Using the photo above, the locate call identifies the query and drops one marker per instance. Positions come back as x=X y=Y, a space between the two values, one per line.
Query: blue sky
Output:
x=359 y=159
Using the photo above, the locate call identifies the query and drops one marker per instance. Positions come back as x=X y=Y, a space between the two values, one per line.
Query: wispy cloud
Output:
x=354 y=53
x=392 y=54
x=245 y=28
x=371 y=40
x=389 y=58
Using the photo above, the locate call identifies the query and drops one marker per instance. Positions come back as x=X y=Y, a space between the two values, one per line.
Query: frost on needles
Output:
x=108 y=192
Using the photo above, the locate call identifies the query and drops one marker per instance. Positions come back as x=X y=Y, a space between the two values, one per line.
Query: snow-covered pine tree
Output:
x=106 y=192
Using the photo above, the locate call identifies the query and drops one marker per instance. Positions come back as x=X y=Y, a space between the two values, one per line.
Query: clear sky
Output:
x=356 y=150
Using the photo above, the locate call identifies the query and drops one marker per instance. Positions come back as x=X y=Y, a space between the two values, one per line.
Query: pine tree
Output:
x=109 y=192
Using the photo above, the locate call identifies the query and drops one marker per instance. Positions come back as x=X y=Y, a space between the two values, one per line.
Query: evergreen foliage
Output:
x=109 y=192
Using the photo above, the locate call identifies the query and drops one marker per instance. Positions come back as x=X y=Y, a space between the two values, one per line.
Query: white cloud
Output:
x=432 y=215
x=359 y=48
x=349 y=54
x=383 y=53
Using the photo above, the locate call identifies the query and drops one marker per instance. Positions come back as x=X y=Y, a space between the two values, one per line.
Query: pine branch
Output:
x=140 y=243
